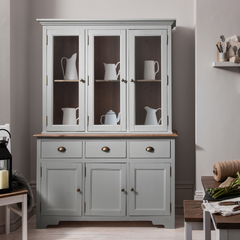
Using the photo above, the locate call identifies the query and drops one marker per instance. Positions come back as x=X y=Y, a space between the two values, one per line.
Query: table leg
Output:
x=24 y=217
x=222 y=234
x=207 y=225
x=187 y=231
x=7 y=220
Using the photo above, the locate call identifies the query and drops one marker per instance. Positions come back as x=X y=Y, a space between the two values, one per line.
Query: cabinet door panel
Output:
x=64 y=106
x=148 y=86
x=59 y=185
x=104 y=184
x=107 y=80
x=150 y=189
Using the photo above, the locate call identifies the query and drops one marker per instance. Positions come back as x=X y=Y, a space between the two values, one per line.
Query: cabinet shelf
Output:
x=66 y=80
x=225 y=64
x=107 y=81
x=145 y=80
x=139 y=80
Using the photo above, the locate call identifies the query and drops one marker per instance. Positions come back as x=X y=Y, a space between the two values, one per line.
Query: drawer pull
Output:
x=62 y=149
x=132 y=189
x=78 y=190
x=149 y=149
x=122 y=190
x=105 y=149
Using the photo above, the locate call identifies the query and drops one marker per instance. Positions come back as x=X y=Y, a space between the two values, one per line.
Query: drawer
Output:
x=106 y=149
x=150 y=149
x=61 y=149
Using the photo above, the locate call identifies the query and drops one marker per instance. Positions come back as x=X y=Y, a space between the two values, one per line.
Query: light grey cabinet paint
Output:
x=99 y=42
x=91 y=171
x=106 y=189
x=61 y=188
x=150 y=189
x=126 y=188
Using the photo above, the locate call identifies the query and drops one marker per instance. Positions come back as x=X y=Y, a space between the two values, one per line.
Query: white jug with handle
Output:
x=151 y=117
x=69 y=116
x=110 y=71
x=149 y=69
x=71 y=70
x=110 y=118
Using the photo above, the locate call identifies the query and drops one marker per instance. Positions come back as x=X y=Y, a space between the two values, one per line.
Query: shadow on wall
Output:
x=183 y=75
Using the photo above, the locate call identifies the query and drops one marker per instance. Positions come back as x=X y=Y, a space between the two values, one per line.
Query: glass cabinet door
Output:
x=65 y=80
x=148 y=80
x=106 y=80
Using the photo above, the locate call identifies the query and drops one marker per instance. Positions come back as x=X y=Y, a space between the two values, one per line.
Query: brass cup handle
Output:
x=62 y=149
x=149 y=149
x=105 y=149
x=132 y=189
x=78 y=190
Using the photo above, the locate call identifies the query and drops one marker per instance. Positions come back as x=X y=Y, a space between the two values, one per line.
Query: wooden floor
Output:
x=104 y=231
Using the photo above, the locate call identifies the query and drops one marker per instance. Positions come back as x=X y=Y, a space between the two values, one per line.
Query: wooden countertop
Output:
x=109 y=135
x=231 y=222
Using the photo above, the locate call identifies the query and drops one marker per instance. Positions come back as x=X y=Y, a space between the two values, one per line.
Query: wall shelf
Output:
x=225 y=64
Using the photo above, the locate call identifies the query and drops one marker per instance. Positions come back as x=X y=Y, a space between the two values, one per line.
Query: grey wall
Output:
x=5 y=62
x=19 y=85
x=14 y=82
x=217 y=90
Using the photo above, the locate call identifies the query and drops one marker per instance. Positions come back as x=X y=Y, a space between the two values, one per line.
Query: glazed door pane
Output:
x=148 y=74
x=65 y=93
x=107 y=85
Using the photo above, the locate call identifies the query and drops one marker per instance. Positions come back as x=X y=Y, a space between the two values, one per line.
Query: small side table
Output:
x=11 y=198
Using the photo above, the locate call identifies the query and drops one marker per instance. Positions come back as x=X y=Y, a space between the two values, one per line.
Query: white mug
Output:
x=149 y=69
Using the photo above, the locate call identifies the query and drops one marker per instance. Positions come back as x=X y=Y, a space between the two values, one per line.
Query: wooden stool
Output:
x=193 y=217
x=11 y=198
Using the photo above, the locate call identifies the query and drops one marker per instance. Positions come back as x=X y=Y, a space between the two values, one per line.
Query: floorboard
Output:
x=104 y=231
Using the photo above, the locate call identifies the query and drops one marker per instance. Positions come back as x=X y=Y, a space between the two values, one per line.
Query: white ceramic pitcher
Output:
x=110 y=71
x=71 y=70
x=151 y=117
x=149 y=69
x=69 y=116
